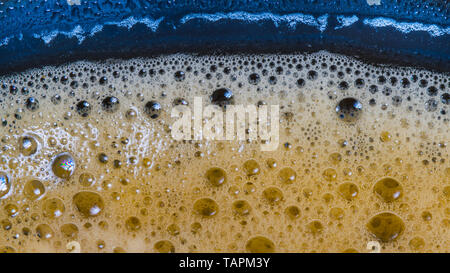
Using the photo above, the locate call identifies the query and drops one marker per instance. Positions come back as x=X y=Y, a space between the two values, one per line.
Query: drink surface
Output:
x=88 y=160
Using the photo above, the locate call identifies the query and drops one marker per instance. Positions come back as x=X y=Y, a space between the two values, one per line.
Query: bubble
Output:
x=388 y=189
x=337 y=213
x=101 y=244
x=103 y=158
x=53 y=208
x=348 y=191
x=343 y=85
x=260 y=244
x=180 y=101
x=386 y=226
x=11 y=210
x=312 y=75
x=206 y=207
x=445 y=98
x=287 y=175
x=385 y=136
x=6 y=224
x=329 y=174
x=130 y=114
x=300 y=83
x=63 y=165
x=293 y=212
x=84 y=108
x=56 y=99
x=335 y=158
x=173 y=229
x=69 y=230
x=272 y=80
x=432 y=91
x=86 y=179
x=28 y=145
x=34 y=189
x=32 y=104
x=222 y=97
x=315 y=227
x=179 y=76
x=349 y=109
x=216 y=176
x=273 y=195
x=426 y=216
x=44 y=231
x=241 y=207
x=417 y=243
x=251 y=167
x=133 y=224
x=164 y=246
x=88 y=204
x=254 y=78
x=196 y=227
x=110 y=104
x=152 y=109
x=5 y=185
x=271 y=163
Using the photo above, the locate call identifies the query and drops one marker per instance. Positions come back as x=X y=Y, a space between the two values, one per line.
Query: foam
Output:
x=160 y=179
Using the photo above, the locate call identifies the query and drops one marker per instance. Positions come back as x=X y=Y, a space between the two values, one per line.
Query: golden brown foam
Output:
x=331 y=186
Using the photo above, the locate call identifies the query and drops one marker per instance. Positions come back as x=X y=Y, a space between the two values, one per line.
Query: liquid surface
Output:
x=88 y=162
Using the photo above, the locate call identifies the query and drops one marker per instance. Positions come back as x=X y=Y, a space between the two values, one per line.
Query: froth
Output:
x=87 y=157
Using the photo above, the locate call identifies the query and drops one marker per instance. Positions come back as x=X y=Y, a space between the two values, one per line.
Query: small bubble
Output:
x=28 y=145
x=388 y=189
x=329 y=174
x=287 y=175
x=251 y=167
x=89 y=204
x=386 y=226
x=315 y=227
x=110 y=104
x=34 y=189
x=103 y=158
x=152 y=109
x=206 y=207
x=349 y=109
x=260 y=244
x=164 y=247
x=336 y=213
x=254 y=78
x=69 y=230
x=216 y=176
x=84 y=108
x=293 y=212
x=44 y=231
x=5 y=185
x=32 y=104
x=53 y=208
x=348 y=191
x=133 y=224
x=63 y=165
x=273 y=195
x=179 y=76
x=241 y=207
x=222 y=97
x=86 y=179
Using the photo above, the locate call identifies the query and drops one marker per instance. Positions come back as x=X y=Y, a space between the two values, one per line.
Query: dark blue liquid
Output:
x=406 y=33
